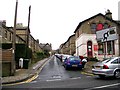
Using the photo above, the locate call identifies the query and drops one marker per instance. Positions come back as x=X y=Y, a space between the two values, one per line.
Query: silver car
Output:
x=109 y=67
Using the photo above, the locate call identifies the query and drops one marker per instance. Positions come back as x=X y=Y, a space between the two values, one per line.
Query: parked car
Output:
x=65 y=56
x=72 y=62
x=109 y=67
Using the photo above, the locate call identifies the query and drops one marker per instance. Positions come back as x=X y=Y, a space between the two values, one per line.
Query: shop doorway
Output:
x=89 y=49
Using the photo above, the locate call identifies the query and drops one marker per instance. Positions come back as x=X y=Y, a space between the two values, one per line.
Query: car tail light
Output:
x=105 y=67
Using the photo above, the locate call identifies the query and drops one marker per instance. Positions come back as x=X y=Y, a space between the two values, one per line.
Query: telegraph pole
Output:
x=27 y=32
x=13 y=67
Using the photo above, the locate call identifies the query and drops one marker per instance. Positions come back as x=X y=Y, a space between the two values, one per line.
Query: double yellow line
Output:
x=90 y=74
x=29 y=80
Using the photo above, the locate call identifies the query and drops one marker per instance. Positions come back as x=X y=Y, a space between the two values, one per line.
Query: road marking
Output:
x=53 y=80
x=12 y=84
x=27 y=81
x=33 y=82
x=31 y=79
x=103 y=86
x=88 y=76
x=76 y=78
x=87 y=73
x=56 y=76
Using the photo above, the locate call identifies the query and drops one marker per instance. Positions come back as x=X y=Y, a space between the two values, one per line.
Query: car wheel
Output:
x=117 y=74
x=102 y=76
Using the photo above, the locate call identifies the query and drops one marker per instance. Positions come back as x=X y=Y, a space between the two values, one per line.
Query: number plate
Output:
x=97 y=67
x=74 y=65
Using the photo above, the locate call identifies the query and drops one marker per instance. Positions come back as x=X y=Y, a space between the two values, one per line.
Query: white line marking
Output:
x=76 y=78
x=103 y=86
x=33 y=82
x=88 y=76
x=53 y=80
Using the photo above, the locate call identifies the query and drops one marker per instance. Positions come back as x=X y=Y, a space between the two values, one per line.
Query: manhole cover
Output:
x=56 y=76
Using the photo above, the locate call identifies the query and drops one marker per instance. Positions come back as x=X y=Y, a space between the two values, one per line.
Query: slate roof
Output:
x=99 y=14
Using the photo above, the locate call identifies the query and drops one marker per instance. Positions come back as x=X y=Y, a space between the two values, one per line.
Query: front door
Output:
x=89 y=49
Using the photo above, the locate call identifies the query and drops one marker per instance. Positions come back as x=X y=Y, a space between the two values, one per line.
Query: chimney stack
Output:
x=4 y=22
x=108 y=14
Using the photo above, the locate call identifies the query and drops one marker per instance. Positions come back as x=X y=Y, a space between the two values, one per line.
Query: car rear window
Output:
x=74 y=58
x=105 y=61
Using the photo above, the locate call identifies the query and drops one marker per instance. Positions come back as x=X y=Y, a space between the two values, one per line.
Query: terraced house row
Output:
x=23 y=37
x=85 y=42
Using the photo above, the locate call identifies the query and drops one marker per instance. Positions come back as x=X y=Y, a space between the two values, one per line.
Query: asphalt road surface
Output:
x=54 y=76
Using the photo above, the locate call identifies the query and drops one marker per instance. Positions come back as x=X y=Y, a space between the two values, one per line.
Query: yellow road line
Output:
x=12 y=84
x=29 y=80
x=87 y=73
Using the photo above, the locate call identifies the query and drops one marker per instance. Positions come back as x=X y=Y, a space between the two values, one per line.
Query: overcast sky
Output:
x=53 y=21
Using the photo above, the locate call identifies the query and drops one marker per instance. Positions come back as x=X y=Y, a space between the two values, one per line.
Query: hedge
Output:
x=20 y=50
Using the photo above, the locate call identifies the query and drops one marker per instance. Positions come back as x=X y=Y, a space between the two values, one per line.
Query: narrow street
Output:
x=53 y=75
x=55 y=70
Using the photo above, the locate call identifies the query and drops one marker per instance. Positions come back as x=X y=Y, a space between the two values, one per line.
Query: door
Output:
x=89 y=49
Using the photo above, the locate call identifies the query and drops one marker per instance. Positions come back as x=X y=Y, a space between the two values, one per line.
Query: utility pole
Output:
x=27 y=32
x=13 y=67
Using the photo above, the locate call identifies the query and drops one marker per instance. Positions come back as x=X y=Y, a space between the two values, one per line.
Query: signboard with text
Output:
x=108 y=34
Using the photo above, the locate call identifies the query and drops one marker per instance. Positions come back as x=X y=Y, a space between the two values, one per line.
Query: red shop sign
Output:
x=95 y=47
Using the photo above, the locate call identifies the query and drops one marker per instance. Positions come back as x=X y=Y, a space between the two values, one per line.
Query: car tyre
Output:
x=117 y=74
x=102 y=76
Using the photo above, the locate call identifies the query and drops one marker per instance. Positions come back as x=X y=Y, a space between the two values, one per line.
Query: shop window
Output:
x=100 y=48
x=110 y=47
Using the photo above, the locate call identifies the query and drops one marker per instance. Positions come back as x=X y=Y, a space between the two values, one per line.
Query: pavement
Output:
x=22 y=75
x=88 y=67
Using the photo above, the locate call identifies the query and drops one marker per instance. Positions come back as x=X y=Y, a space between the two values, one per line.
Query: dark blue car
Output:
x=73 y=62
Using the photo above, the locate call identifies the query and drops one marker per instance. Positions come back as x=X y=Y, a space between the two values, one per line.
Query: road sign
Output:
x=108 y=34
